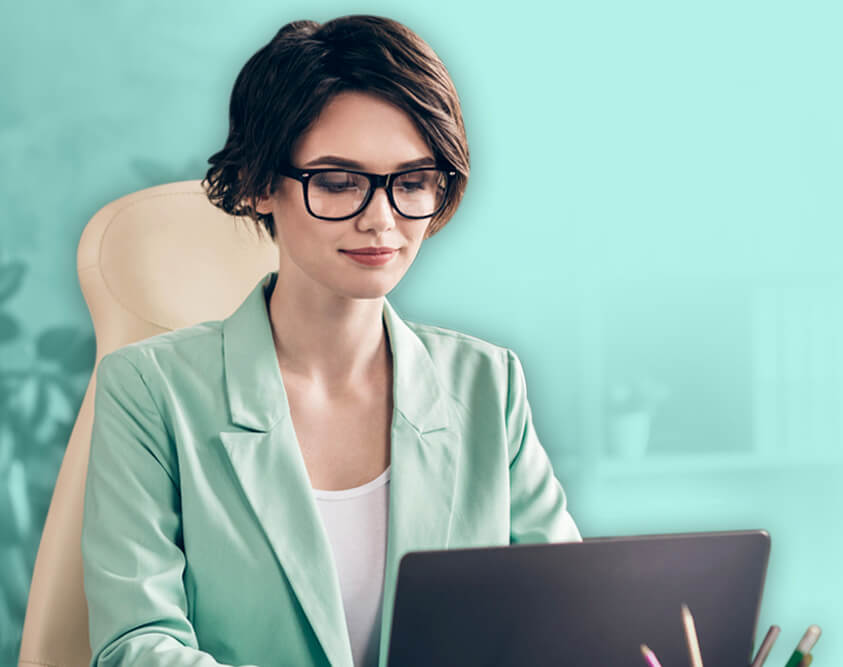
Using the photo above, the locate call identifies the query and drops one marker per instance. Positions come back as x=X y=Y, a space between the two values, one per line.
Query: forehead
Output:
x=364 y=128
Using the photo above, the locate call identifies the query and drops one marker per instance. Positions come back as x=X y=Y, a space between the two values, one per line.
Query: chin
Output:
x=368 y=289
x=372 y=292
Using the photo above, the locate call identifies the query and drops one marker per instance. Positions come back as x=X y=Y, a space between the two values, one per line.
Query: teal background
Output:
x=652 y=224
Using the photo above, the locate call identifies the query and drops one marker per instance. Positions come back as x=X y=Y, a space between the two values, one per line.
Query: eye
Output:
x=338 y=182
x=416 y=181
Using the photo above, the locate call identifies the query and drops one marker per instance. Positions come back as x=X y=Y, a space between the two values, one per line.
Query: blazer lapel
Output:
x=265 y=456
x=424 y=458
x=268 y=463
x=276 y=484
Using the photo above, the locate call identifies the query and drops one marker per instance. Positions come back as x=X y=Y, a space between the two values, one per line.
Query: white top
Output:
x=356 y=522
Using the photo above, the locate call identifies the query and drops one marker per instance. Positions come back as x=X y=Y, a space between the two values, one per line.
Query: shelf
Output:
x=659 y=464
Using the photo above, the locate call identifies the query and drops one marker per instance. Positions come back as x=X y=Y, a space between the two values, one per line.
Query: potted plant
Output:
x=632 y=405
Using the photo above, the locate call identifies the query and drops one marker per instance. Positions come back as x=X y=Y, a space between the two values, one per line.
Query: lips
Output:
x=371 y=257
x=370 y=251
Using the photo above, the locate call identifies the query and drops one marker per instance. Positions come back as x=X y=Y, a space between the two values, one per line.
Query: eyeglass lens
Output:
x=337 y=193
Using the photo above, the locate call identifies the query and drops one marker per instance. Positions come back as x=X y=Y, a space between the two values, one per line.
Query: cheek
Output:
x=307 y=241
x=414 y=231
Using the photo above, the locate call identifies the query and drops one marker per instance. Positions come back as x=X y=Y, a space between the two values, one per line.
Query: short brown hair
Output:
x=283 y=87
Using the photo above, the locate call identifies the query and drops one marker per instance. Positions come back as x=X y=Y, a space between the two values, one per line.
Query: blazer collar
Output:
x=424 y=455
x=255 y=389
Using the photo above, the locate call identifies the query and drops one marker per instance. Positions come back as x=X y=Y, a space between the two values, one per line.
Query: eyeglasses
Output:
x=339 y=194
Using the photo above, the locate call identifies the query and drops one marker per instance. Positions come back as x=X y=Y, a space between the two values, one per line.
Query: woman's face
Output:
x=371 y=135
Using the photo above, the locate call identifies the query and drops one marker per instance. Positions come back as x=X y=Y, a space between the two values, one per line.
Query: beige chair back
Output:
x=152 y=261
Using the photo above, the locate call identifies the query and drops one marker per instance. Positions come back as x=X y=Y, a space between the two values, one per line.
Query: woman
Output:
x=254 y=482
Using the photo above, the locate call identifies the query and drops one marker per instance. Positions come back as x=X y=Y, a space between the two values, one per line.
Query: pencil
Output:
x=649 y=656
x=812 y=634
x=766 y=645
x=807 y=660
x=691 y=637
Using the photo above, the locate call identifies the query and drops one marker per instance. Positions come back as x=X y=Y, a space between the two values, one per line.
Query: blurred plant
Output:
x=39 y=400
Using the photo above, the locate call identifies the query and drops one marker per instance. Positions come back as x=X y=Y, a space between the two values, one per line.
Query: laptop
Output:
x=583 y=603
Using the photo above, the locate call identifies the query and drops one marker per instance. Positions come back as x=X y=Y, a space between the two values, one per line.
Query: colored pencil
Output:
x=766 y=645
x=691 y=637
x=649 y=656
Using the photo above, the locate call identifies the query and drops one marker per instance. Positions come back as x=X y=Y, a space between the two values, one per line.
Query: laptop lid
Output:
x=582 y=603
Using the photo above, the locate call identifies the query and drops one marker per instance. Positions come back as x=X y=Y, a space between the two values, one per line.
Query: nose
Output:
x=378 y=214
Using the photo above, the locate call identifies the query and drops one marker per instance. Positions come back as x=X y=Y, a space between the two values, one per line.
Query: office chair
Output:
x=152 y=261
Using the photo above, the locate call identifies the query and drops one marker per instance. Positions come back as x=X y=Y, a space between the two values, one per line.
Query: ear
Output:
x=263 y=204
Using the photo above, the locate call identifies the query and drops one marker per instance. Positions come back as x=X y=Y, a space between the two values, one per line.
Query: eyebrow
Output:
x=337 y=161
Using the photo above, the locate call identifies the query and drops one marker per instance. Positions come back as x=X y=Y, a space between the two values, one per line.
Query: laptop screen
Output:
x=584 y=603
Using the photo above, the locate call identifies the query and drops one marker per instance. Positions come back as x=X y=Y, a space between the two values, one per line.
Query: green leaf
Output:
x=9 y=328
x=11 y=277
x=33 y=402
x=7 y=446
x=72 y=349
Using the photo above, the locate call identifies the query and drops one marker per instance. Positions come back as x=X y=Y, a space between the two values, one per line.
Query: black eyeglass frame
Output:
x=384 y=181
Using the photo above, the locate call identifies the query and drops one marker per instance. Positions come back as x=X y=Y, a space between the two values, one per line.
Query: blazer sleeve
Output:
x=538 y=506
x=132 y=553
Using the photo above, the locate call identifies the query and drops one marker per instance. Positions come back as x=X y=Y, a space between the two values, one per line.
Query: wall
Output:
x=652 y=223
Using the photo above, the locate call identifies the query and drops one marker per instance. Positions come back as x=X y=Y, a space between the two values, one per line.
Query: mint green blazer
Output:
x=202 y=543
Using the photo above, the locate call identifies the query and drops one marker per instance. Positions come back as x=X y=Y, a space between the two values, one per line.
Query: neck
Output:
x=335 y=342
